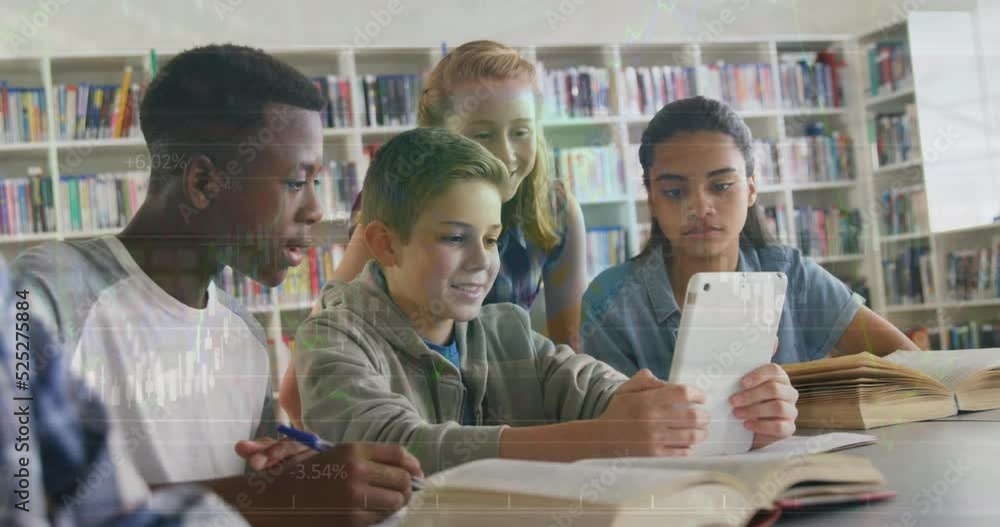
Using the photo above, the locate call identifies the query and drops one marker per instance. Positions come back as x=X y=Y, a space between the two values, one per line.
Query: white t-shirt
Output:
x=183 y=384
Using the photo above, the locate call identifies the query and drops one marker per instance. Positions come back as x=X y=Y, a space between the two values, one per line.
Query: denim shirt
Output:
x=630 y=317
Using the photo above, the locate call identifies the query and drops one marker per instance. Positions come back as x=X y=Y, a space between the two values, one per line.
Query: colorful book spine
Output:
x=579 y=92
x=973 y=334
x=889 y=67
x=776 y=224
x=811 y=80
x=767 y=162
x=337 y=92
x=818 y=157
x=340 y=185
x=304 y=283
x=647 y=89
x=23 y=114
x=746 y=87
x=102 y=201
x=908 y=277
x=606 y=247
x=591 y=173
x=390 y=100
x=828 y=231
x=95 y=111
x=26 y=205
x=973 y=274
x=904 y=210
x=897 y=137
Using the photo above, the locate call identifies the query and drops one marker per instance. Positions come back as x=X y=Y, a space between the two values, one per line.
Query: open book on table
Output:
x=865 y=391
x=725 y=490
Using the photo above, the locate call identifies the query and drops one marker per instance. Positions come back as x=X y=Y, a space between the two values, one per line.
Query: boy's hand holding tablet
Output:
x=650 y=417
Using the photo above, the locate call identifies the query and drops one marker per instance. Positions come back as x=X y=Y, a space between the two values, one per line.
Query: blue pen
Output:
x=314 y=442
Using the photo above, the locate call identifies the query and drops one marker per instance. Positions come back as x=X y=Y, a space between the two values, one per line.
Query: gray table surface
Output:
x=946 y=473
x=986 y=415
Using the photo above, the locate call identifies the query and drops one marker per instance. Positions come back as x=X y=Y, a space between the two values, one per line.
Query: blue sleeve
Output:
x=602 y=332
x=822 y=305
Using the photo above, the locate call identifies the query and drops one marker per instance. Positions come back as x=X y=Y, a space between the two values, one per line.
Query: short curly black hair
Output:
x=207 y=97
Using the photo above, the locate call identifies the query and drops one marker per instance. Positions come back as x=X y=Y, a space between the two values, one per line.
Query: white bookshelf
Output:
x=928 y=33
x=618 y=128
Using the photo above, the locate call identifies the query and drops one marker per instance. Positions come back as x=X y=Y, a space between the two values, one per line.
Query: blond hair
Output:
x=493 y=61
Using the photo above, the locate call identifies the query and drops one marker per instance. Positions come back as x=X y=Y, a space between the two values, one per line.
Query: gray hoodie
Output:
x=366 y=375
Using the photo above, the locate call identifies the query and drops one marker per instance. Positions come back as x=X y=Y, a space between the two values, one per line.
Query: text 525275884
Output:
x=22 y=401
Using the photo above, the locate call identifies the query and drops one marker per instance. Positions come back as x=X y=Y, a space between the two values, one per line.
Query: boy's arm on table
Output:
x=345 y=398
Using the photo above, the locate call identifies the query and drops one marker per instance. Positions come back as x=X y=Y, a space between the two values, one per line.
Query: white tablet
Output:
x=729 y=327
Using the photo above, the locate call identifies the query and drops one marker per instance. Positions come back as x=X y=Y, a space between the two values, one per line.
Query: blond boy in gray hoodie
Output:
x=406 y=353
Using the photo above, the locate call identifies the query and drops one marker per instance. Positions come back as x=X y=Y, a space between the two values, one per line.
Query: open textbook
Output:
x=723 y=490
x=864 y=391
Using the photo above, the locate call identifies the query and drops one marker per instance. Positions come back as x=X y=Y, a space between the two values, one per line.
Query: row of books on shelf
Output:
x=904 y=210
x=606 y=247
x=27 y=204
x=102 y=201
x=391 y=100
x=583 y=91
x=908 y=277
x=811 y=80
x=340 y=185
x=95 y=111
x=776 y=223
x=767 y=161
x=889 y=67
x=897 y=136
x=647 y=89
x=338 y=111
x=246 y=290
x=974 y=274
x=302 y=284
x=968 y=335
x=590 y=173
x=819 y=156
x=22 y=114
x=748 y=87
x=828 y=231
x=810 y=159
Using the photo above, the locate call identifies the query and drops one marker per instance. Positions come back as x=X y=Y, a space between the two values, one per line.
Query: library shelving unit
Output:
x=940 y=87
x=621 y=128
